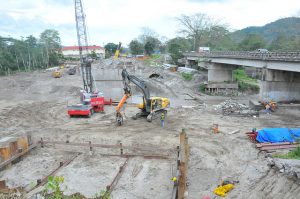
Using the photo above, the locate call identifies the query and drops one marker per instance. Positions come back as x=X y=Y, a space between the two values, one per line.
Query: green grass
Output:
x=187 y=76
x=294 y=154
x=244 y=81
x=152 y=60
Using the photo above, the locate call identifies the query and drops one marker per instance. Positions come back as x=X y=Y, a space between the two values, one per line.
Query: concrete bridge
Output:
x=280 y=70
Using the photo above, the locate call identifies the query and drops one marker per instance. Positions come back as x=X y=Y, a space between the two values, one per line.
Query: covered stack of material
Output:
x=277 y=135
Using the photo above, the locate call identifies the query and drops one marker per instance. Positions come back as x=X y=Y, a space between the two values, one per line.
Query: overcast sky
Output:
x=122 y=20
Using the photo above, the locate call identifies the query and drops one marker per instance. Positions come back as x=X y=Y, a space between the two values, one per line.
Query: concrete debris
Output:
x=186 y=70
x=230 y=107
x=234 y=132
x=52 y=69
x=170 y=67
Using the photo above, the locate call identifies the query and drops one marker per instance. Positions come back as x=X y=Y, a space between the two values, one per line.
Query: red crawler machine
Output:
x=80 y=110
x=90 y=103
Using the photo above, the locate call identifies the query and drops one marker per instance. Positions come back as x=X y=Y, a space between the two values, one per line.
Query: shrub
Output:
x=202 y=88
x=294 y=154
x=187 y=76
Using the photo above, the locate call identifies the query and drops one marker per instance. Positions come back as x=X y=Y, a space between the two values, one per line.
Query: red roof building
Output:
x=73 y=51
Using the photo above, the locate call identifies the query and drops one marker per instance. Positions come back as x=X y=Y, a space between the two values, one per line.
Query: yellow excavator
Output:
x=57 y=73
x=151 y=106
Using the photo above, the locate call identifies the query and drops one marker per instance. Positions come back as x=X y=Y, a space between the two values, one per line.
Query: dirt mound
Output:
x=275 y=185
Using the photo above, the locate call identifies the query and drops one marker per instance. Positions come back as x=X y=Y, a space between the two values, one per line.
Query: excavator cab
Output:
x=158 y=103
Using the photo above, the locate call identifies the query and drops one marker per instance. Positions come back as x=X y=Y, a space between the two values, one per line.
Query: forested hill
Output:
x=287 y=27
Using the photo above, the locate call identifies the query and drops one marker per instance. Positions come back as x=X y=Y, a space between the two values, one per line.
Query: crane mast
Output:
x=85 y=60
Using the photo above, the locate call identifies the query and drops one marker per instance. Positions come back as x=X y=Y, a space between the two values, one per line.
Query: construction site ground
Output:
x=36 y=103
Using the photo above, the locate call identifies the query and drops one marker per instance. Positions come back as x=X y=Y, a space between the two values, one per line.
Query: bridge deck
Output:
x=272 y=56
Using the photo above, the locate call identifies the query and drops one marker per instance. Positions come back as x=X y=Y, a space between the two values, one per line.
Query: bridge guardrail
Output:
x=276 y=56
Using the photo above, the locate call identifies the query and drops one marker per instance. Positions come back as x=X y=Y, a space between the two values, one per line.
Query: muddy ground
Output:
x=36 y=103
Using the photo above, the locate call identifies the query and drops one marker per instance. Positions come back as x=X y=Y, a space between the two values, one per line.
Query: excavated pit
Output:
x=36 y=103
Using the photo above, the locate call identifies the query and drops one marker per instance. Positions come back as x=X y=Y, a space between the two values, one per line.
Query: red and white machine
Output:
x=91 y=100
x=90 y=103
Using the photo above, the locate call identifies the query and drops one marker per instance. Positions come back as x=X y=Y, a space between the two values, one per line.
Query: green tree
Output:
x=152 y=44
x=150 y=40
x=283 y=43
x=110 y=49
x=176 y=47
x=215 y=35
x=31 y=41
x=225 y=43
x=194 y=27
x=146 y=34
x=201 y=30
x=136 y=47
x=30 y=53
x=149 y=48
x=93 y=54
x=52 y=46
x=252 y=42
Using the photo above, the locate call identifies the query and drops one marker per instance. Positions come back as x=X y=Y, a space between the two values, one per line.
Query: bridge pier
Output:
x=220 y=72
x=220 y=79
x=280 y=85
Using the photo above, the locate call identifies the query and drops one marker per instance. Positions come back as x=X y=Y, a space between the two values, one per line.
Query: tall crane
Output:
x=91 y=100
x=85 y=60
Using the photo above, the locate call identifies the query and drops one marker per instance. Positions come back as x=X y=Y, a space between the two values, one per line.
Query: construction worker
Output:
x=268 y=108
x=162 y=119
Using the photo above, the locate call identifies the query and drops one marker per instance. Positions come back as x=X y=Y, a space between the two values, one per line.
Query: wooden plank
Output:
x=265 y=148
x=175 y=186
x=43 y=181
x=183 y=165
x=116 y=179
x=116 y=146
x=182 y=146
x=182 y=180
x=272 y=144
x=6 y=162
x=187 y=153
x=4 y=189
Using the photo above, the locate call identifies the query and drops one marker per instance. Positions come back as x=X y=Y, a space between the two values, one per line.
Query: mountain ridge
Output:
x=287 y=27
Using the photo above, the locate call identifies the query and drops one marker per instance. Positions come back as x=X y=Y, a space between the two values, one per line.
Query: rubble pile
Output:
x=230 y=107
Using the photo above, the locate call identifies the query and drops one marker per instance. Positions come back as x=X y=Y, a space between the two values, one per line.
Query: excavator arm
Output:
x=127 y=93
x=117 y=53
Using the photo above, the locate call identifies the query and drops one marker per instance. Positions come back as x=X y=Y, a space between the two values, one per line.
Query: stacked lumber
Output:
x=276 y=146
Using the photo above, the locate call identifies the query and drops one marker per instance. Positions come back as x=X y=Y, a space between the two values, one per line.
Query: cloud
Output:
x=119 y=20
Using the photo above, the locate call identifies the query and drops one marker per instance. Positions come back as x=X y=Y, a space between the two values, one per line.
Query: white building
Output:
x=204 y=49
x=73 y=51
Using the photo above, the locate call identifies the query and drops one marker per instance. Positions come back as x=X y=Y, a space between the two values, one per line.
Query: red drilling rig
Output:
x=91 y=100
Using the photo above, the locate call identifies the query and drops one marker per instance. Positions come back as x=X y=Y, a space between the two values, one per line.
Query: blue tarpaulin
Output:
x=275 y=135
x=295 y=133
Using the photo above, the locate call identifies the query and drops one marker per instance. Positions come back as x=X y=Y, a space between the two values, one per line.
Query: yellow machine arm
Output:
x=117 y=53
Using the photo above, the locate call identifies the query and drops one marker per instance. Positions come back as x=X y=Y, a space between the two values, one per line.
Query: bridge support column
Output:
x=280 y=85
x=220 y=79
x=220 y=73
